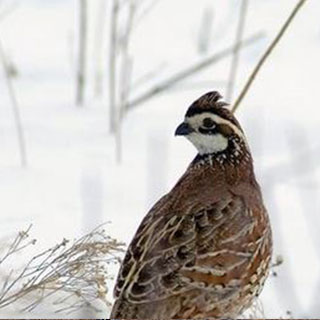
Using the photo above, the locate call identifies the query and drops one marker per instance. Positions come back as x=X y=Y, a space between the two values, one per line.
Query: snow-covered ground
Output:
x=72 y=182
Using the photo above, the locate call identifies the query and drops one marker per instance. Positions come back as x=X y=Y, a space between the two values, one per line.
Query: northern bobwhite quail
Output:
x=204 y=249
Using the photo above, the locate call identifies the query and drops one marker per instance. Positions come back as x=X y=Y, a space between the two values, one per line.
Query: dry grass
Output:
x=72 y=273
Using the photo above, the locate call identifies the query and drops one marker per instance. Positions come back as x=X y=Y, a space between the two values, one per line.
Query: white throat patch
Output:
x=208 y=143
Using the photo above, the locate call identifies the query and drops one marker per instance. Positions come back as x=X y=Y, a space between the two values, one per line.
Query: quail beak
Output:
x=183 y=129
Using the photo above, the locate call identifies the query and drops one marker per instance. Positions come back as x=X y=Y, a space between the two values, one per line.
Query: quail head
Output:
x=204 y=249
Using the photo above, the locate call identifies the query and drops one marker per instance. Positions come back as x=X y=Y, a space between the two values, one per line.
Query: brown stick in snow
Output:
x=267 y=54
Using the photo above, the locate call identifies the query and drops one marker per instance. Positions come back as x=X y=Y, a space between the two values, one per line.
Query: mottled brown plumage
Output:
x=204 y=249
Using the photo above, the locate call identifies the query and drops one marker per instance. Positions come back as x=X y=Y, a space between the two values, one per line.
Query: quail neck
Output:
x=215 y=133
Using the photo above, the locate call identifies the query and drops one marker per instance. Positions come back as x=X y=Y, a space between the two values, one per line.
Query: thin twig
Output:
x=15 y=108
x=267 y=54
x=99 y=45
x=236 y=53
x=125 y=76
x=181 y=75
x=81 y=76
x=112 y=65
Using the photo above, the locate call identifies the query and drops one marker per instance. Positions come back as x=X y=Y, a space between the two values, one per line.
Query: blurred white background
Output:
x=73 y=180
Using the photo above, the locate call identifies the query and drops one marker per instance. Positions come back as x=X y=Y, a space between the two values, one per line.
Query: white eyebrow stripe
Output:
x=219 y=120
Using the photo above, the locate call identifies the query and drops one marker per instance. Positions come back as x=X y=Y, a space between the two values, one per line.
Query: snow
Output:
x=73 y=182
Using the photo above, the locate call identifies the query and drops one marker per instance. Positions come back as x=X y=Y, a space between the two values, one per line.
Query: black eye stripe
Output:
x=208 y=122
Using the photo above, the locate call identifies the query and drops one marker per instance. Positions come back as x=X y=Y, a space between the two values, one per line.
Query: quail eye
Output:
x=208 y=123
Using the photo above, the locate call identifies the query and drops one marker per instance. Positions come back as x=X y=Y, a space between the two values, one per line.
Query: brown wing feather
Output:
x=197 y=243
x=174 y=253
